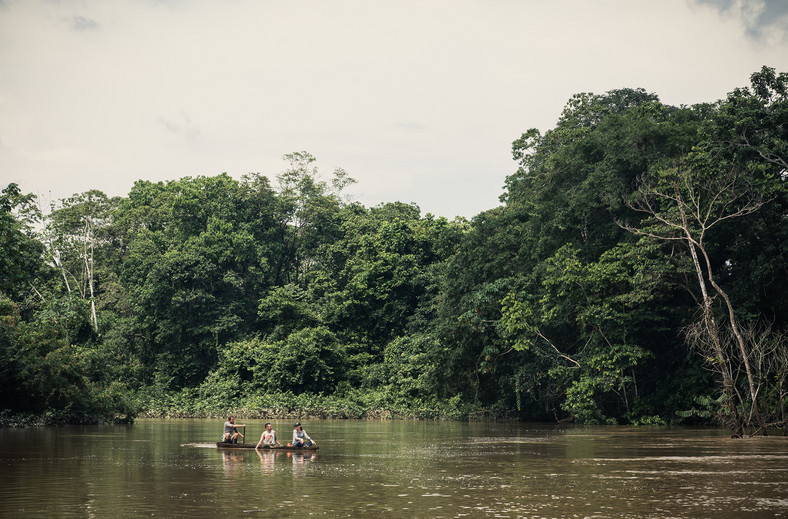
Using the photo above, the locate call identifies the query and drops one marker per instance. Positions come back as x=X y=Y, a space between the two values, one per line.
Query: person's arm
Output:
x=261 y=441
x=307 y=438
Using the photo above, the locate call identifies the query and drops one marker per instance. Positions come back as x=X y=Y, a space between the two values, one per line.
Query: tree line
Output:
x=635 y=272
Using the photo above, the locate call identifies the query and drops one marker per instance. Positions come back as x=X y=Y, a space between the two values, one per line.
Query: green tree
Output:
x=285 y=310
x=609 y=305
x=20 y=252
x=568 y=188
x=196 y=254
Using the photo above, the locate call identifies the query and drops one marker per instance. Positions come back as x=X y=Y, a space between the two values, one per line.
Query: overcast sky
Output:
x=417 y=100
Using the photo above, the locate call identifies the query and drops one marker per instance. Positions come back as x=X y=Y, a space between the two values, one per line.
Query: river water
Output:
x=397 y=469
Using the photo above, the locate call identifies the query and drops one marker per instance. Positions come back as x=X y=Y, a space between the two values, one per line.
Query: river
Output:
x=396 y=469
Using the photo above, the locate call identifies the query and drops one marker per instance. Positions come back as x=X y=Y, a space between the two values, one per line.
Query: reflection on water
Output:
x=267 y=459
x=232 y=462
x=300 y=460
x=393 y=469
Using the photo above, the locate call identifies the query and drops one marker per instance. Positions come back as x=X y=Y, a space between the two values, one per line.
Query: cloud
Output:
x=80 y=23
x=774 y=12
x=181 y=126
x=758 y=16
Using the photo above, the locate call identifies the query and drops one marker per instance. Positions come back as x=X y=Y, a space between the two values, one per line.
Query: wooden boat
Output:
x=225 y=445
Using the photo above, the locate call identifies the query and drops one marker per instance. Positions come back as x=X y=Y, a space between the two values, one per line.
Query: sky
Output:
x=419 y=101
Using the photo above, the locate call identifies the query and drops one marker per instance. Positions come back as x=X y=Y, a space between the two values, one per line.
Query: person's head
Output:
x=268 y=426
x=297 y=425
x=231 y=419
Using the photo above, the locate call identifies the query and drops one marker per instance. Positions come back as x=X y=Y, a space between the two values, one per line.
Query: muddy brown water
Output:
x=397 y=469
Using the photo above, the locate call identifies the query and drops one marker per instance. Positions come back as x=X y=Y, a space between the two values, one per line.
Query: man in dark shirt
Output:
x=231 y=433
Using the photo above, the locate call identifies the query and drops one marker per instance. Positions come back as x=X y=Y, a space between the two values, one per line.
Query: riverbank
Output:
x=190 y=403
x=273 y=406
x=56 y=418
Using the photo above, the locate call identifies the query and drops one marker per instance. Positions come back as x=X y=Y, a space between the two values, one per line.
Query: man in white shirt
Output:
x=268 y=438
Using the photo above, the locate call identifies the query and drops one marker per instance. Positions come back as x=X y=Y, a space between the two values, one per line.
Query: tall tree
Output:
x=75 y=230
x=308 y=214
x=687 y=202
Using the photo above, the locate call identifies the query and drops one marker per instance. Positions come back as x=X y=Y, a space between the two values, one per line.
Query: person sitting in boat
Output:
x=301 y=438
x=231 y=433
x=268 y=438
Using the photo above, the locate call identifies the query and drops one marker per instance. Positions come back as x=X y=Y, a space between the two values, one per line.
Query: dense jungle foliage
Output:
x=636 y=272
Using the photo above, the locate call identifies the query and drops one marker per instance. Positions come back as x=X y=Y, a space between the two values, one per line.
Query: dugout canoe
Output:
x=225 y=445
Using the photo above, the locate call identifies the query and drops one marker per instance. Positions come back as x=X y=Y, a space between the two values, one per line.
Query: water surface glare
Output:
x=398 y=469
